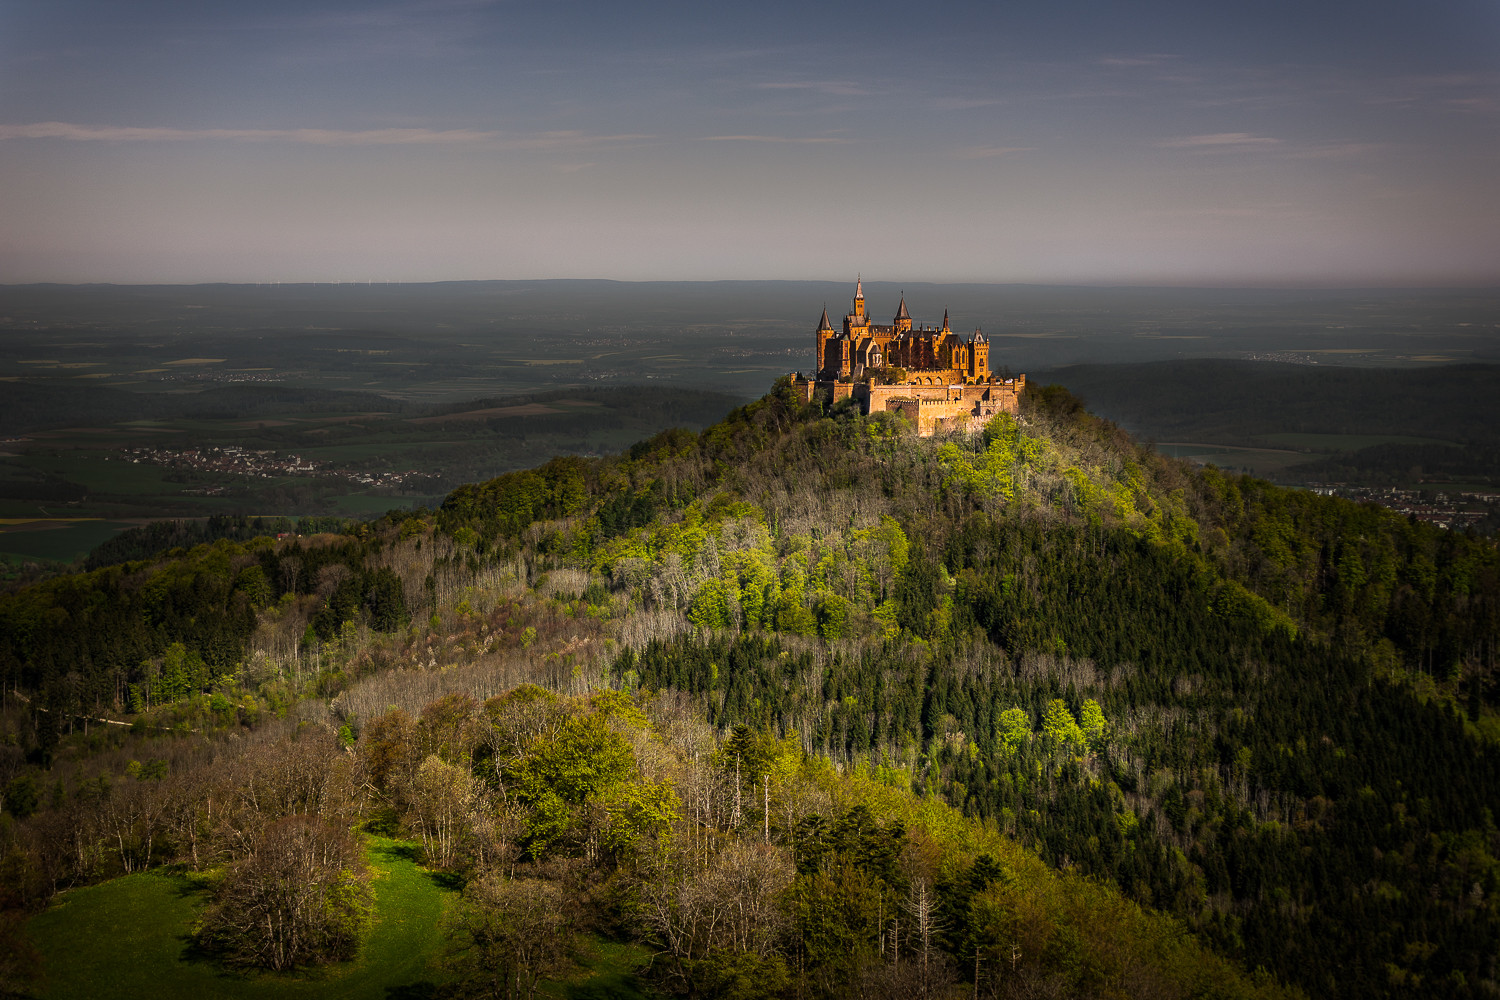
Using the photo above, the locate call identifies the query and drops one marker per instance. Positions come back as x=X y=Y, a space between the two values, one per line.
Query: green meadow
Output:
x=130 y=938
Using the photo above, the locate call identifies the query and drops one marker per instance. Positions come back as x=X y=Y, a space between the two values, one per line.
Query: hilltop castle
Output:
x=934 y=377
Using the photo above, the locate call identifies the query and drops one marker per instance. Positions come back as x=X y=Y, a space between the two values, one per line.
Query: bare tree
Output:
x=732 y=906
x=442 y=798
x=922 y=923
x=301 y=898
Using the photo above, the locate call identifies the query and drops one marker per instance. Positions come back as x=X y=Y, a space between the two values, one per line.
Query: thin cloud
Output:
x=1218 y=141
x=1155 y=59
x=314 y=136
x=571 y=139
x=1339 y=150
x=1225 y=142
x=1462 y=92
x=1247 y=212
x=317 y=136
x=843 y=88
x=1483 y=105
x=1434 y=81
x=965 y=103
x=774 y=138
x=990 y=152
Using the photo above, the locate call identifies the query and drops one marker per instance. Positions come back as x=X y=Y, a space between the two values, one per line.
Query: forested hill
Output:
x=1265 y=713
x=1207 y=399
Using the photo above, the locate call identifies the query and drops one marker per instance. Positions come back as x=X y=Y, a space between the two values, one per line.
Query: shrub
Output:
x=507 y=935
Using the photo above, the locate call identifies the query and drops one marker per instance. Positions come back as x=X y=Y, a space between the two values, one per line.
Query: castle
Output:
x=936 y=378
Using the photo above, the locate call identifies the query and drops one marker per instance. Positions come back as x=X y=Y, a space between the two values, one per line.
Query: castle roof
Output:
x=945 y=319
x=902 y=313
x=824 y=324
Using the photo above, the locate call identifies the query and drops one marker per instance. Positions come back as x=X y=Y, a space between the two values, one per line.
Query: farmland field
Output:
x=1343 y=442
x=55 y=539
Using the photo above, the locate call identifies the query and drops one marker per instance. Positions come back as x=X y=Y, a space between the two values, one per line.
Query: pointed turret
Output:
x=903 y=318
x=945 y=319
x=823 y=324
x=857 y=317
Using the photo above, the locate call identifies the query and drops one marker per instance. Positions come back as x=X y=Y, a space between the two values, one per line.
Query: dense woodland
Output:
x=811 y=707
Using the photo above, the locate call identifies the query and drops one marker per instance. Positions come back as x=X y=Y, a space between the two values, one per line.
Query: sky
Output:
x=1157 y=142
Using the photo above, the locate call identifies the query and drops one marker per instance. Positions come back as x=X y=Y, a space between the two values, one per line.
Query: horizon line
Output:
x=1392 y=284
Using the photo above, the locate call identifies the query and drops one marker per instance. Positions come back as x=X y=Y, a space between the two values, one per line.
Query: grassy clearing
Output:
x=128 y=938
x=608 y=972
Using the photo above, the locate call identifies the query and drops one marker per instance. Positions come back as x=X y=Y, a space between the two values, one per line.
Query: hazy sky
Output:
x=1151 y=141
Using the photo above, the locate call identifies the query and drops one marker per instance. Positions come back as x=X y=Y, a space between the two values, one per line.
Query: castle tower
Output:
x=825 y=333
x=903 y=318
x=857 y=322
x=979 y=364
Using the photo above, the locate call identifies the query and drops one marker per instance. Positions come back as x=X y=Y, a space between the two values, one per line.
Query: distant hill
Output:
x=26 y=406
x=1235 y=402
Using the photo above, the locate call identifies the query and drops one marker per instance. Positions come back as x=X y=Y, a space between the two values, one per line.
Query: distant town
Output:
x=263 y=464
x=1455 y=510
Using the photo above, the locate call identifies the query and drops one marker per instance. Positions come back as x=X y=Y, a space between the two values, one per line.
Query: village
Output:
x=257 y=463
x=1453 y=509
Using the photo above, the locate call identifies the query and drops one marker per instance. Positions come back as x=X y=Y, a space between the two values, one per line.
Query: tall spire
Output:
x=823 y=324
x=945 y=319
x=902 y=313
x=859 y=287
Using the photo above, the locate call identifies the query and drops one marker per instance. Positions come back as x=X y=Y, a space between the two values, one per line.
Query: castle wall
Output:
x=931 y=408
x=934 y=408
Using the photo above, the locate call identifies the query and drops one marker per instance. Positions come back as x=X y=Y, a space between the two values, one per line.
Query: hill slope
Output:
x=1260 y=711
